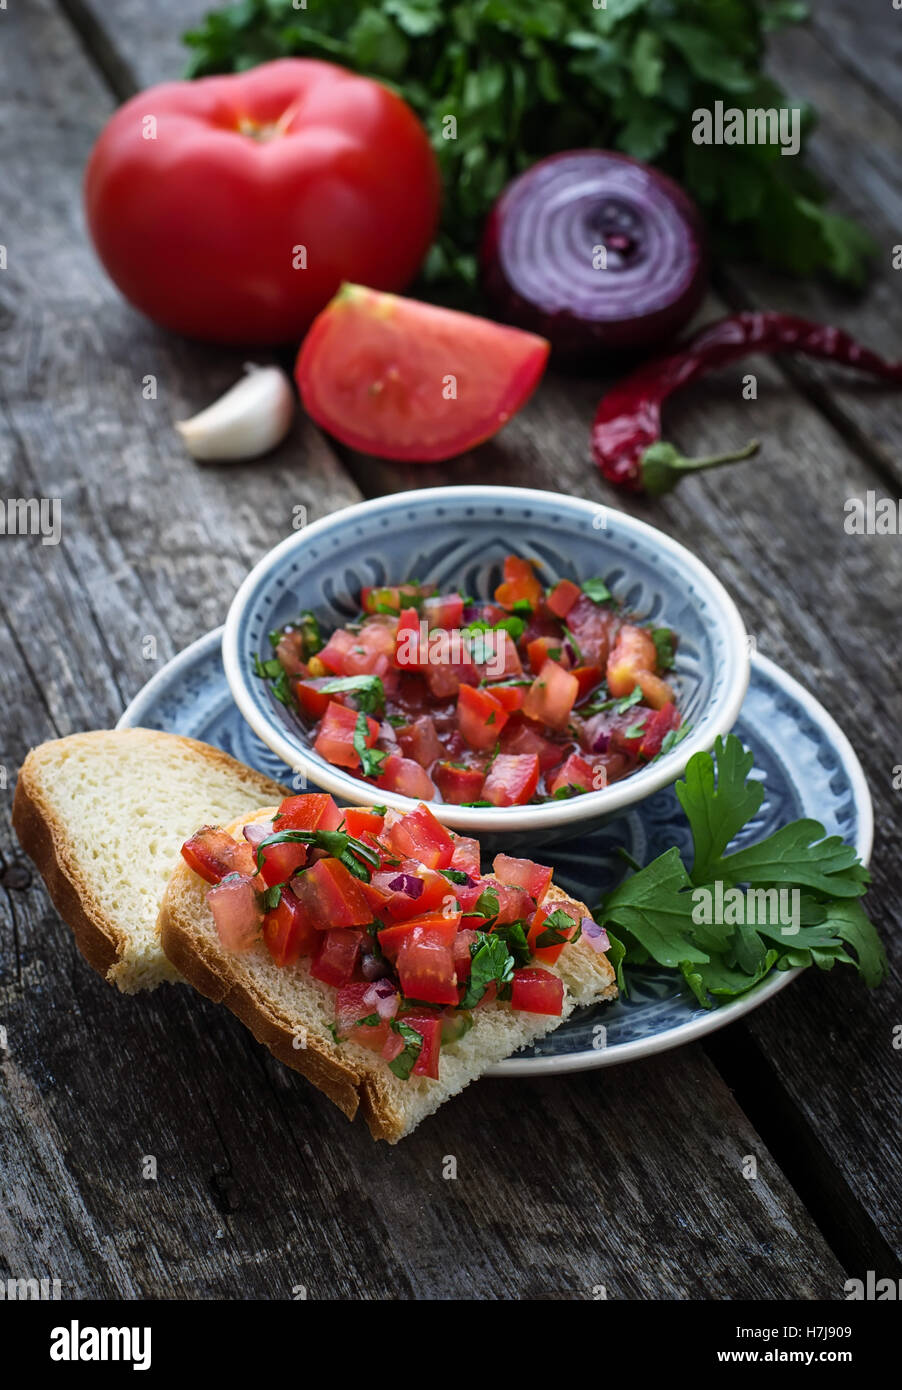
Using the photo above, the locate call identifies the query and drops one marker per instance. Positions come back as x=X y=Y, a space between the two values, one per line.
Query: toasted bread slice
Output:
x=104 y=815
x=292 y=1013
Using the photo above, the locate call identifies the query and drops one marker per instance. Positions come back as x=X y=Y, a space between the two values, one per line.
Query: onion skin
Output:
x=541 y=237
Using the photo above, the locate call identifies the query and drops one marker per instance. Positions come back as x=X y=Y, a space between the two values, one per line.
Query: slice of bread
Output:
x=291 y=1012
x=104 y=815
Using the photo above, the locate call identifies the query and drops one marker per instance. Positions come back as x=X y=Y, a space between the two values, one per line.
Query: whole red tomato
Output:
x=232 y=208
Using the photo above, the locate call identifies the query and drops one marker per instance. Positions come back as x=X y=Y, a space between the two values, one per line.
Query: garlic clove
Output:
x=251 y=418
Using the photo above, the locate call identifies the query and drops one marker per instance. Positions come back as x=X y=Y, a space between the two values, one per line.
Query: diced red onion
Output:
x=384 y=998
x=258 y=830
x=408 y=884
x=595 y=935
x=236 y=913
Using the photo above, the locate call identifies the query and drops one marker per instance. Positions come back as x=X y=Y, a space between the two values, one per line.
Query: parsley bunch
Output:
x=658 y=912
x=527 y=78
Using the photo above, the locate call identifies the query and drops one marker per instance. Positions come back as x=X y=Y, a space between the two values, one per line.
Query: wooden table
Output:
x=629 y=1178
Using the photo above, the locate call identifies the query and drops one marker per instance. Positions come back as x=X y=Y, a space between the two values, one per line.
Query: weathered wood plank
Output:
x=857 y=151
x=632 y=1180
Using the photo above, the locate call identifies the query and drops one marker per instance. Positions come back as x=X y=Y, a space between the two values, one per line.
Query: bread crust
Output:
x=206 y=966
x=42 y=834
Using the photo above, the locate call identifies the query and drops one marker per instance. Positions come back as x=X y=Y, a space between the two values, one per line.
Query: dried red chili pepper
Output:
x=626 y=435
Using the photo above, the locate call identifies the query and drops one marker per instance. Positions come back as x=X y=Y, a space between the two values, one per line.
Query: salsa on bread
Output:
x=394 y=913
x=540 y=694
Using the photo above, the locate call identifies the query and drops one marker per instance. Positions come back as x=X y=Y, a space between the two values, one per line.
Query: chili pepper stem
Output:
x=663 y=465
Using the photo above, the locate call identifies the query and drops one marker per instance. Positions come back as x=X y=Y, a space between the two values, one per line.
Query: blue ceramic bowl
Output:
x=457 y=537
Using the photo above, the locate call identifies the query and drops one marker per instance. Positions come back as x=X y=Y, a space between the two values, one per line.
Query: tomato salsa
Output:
x=395 y=914
x=539 y=694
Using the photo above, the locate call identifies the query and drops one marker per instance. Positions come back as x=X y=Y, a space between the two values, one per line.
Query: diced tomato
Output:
x=593 y=625
x=657 y=726
x=392 y=598
x=312 y=811
x=447 y=610
x=537 y=992
x=407 y=653
x=577 y=772
x=512 y=780
x=394 y=1046
x=511 y=696
x=288 y=931
x=312 y=701
x=551 y=953
x=520 y=584
x=655 y=691
x=542 y=649
x=418 y=835
x=500 y=658
x=441 y=925
x=523 y=873
x=336 y=959
x=514 y=904
x=633 y=652
x=290 y=651
x=359 y=820
x=426 y=966
x=407 y=900
x=429 y=1027
x=562 y=597
x=622 y=738
x=279 y=862
x=525 y=738
x=350 y=1007
x=480 y=717
x=405 y=776
x=551 y=696
x=467 y=855
x=236 y=912
x=213 y=853
x=588 y=677
x=447 y=678
x=419 y=741
x=458 y=784
x=336 y=649
x=332 y=896
x=335 y=737
x=460 y=950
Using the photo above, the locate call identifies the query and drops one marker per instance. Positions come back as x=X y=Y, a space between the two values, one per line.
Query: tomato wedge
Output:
x=405 y=380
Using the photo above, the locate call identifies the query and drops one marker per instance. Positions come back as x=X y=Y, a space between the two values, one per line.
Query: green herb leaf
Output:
x=404 y=1063
x=368 y=691
x=491 y=960
x=597 y=590
x=371 y=759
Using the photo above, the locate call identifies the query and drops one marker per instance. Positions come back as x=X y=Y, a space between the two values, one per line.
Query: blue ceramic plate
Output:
x=459 y=536
x=804 y=759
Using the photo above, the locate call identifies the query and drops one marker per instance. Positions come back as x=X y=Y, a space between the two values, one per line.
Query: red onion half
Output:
x=595 y=251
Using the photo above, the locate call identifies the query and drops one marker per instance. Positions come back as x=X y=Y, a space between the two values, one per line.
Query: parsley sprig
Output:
x=528 y=78
x=654 y=915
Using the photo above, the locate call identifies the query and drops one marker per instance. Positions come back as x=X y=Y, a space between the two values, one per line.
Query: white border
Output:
x=587 y=807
